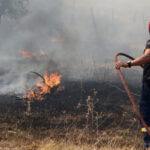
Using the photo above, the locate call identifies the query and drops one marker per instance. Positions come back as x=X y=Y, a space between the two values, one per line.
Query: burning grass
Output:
x=49 y=82
x=28 y=55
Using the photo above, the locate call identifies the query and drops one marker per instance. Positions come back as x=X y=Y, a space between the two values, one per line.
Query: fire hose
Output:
x=129 y=93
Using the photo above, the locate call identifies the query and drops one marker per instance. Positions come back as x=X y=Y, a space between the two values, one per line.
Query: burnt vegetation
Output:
x=84 y=112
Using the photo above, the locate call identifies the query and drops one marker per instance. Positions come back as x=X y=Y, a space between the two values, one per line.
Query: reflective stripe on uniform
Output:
x=144 y=129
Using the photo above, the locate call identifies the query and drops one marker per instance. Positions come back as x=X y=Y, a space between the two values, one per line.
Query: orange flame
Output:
x=42 y=52
x=57 y=39
x=26 y=54
x=50 y=81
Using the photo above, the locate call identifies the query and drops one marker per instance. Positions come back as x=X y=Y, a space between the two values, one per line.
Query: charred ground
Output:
x=84 y=112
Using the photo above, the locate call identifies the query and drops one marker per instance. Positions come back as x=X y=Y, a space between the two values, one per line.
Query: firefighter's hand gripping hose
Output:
x=129 y=93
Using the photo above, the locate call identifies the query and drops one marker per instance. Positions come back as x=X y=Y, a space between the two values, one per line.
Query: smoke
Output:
x=12 y=9
x=77 y=38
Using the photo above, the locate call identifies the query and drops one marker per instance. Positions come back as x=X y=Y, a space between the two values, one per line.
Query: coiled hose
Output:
x=129 y=93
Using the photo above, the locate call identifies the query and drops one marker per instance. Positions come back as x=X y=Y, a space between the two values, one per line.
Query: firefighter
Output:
x=145 y=94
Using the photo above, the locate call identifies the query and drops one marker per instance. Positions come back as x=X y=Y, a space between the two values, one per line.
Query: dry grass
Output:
x=53 y=145
x=121 y=140
x=70 y=146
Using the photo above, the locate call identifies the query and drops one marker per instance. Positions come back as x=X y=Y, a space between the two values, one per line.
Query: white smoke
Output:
x=79 y=38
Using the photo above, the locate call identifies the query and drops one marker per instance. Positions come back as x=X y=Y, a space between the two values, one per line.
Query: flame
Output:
x=32 y=94
x=42 y=52
x=26 y=54
x=57 y=39
x=50 y=81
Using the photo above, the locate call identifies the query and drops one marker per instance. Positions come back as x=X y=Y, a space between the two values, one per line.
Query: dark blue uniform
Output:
x=145 y=98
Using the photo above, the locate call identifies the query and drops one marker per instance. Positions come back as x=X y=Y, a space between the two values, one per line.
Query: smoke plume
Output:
x=76 y=38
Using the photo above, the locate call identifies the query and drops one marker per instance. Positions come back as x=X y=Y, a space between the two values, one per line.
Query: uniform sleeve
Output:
x=147 y=44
